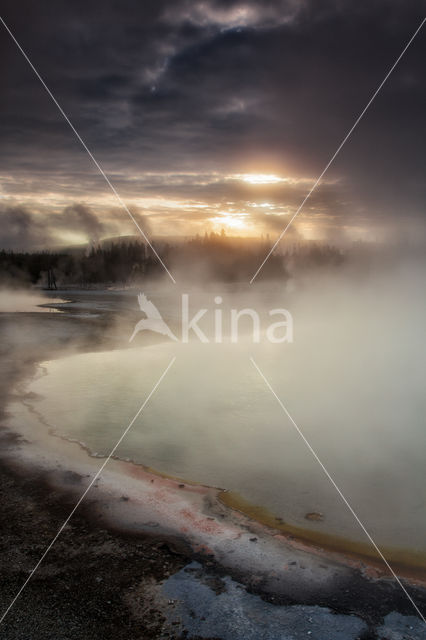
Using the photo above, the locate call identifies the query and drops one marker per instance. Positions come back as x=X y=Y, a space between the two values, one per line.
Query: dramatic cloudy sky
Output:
x=208 y=114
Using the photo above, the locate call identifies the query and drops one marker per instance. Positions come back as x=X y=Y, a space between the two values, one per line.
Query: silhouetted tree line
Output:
x=213 y=256
x=117 y=263
x=25 y=268
x=225 y=258
x=311 y=255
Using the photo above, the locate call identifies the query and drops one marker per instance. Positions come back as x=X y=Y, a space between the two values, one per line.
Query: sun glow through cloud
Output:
x=172 y=204
x=261 y=178
x=230 y=221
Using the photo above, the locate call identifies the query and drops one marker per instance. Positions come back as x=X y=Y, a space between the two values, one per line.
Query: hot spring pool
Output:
x=214 y=421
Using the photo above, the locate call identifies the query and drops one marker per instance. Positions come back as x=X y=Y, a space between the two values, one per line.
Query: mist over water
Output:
x=24 y=301
x=353 y=380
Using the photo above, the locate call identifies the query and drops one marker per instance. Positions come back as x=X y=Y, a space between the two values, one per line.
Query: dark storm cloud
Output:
x=189 y=86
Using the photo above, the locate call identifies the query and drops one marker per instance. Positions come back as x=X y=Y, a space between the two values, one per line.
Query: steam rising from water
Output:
x=353 y=380
x=16 y=301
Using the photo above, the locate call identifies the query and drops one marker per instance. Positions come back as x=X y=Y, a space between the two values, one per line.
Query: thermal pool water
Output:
x=214 y=421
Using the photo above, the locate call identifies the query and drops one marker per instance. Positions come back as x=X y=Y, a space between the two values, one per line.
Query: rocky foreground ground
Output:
x=96 y=584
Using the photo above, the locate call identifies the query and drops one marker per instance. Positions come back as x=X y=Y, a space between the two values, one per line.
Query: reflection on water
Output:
x=214 y=421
